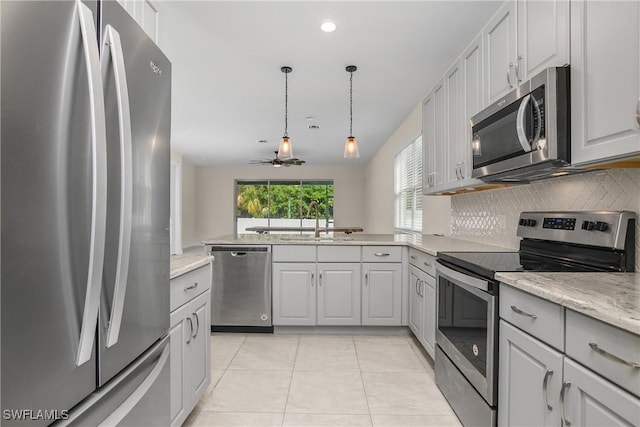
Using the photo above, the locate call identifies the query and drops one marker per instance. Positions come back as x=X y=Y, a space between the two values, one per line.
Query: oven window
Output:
x=462 y=318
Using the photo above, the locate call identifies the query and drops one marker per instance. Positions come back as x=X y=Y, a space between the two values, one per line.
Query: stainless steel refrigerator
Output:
x=85 y=128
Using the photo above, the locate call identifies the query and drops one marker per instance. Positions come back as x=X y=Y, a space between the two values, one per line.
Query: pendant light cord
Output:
x=286 y=103
x=351 y=104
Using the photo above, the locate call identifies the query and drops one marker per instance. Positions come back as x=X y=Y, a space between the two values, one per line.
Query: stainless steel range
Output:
x=466 y=358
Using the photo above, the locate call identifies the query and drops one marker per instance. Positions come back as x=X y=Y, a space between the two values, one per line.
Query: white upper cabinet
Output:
x=605 y=80
x=500 y=50
x=440 y=136
x=454 y=122
x=543 y=36
x=428 y=143
x=521 y=39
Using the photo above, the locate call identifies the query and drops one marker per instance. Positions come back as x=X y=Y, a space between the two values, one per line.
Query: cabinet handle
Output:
x=612 y=356
x=190 y=329
x=509 y=75
x=458 y=171
x=461 y=170
x=381 y=254
x=312 y=278
x=523 y=313
x=517 y=69
x=195 y=334
x=427 y=264
x=366 y=278
x=320 y=279
x=563 y=390
x=545 y=383
x=417 y=291
x=413 y=257
x=421 y=287
x=188 y=288
x=638 y=112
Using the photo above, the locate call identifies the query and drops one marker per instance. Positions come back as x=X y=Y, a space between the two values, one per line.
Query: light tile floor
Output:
x=320 y=380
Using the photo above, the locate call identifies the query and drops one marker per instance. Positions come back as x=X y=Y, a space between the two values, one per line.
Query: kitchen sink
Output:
x=310 y=238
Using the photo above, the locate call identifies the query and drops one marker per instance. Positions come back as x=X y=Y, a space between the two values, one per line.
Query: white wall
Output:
x=379 y=199
x=189 y=191
x=215 y=186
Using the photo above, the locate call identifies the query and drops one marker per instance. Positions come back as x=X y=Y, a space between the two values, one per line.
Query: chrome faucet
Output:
x=311 y=206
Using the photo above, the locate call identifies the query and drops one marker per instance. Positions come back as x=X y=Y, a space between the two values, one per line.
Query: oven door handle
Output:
x=463 y=280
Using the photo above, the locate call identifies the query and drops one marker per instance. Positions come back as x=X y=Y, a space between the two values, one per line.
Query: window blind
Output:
x=408 y=187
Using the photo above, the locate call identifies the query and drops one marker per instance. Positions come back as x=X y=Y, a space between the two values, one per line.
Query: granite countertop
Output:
x=429 y=243
x=613 y=298
x=181 y=264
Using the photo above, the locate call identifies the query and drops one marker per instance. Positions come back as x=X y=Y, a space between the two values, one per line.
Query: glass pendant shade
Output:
x=285 y=150
x=351 y=148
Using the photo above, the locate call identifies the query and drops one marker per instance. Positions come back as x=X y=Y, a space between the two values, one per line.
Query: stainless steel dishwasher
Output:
x=241 y=289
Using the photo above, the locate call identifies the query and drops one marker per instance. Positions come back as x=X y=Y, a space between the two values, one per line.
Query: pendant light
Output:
x=351 y=145
x=285 y=151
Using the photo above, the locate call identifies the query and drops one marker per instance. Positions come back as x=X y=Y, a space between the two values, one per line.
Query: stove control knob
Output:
x=522 y=222
x=531 y=223
x=588 y=225
x=601 y=226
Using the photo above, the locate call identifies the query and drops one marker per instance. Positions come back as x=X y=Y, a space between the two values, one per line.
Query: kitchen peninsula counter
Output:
x=182 y=264
x=613 y=298
x=428 y=243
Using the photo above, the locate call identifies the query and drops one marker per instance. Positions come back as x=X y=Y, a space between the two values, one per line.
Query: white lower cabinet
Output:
x=338 y=294
x=590 y=400
x=530 y=380
x=541 y=386
x=422 y=299
x=294 y=294
x=382 y=294
x=190 y=347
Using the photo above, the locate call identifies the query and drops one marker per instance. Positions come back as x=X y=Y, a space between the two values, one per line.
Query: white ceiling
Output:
x=228 y=90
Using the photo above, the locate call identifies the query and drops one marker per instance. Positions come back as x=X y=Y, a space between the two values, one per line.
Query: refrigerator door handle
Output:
x=123 y=410
x=112 y=52
x=99 y=185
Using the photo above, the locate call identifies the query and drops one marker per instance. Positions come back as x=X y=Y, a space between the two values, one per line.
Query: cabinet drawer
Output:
x=187 y=286
x=382 y=254
x=605 y=349
x=293 y=253
x=542 y=319
x=332 y=253
x=423 y=261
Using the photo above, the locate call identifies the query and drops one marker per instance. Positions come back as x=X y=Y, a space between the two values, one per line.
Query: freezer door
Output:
x=53 y=194
x=136 y=397
x=134 y=310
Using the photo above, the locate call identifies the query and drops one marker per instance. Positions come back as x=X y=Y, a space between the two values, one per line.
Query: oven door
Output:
x=467 y=327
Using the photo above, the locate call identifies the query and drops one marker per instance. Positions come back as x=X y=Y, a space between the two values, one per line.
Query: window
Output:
x=408 y=187
x=282 y=204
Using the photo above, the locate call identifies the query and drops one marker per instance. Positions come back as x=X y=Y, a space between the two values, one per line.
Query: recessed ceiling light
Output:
x=261 y=141
x=313 y=127
x=328 y=27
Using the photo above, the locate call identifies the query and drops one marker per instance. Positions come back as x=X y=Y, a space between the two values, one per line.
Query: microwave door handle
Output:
x=522 y=137
x=536 y=110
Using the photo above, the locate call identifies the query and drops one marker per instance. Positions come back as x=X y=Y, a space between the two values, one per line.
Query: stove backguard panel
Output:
x=492 y=216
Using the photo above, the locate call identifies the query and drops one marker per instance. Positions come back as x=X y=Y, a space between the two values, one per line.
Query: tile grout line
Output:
x=364 y=389
x=293 y=368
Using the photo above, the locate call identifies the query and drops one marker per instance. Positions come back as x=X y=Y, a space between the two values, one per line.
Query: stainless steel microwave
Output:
x=525 y=135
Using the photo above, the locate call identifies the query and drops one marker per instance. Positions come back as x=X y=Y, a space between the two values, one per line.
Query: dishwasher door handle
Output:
x=238 y=254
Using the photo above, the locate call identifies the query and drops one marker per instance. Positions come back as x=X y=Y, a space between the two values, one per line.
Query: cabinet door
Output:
x=454 y=126
x=147 y=15
x=590 y=400
x=197 y=366
x=415 y=302
x=382 y=294
x=543 y=36
x=440 y=136
x=605 y=80
x=429 y=313
x=524 y=397
x=472 y=103
x=179 y=332
x=338 y=293
x=428 y=143
x=499 y=37
x=294 y=294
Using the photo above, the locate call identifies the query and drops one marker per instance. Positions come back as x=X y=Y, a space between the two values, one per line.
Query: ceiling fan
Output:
x=277 y=162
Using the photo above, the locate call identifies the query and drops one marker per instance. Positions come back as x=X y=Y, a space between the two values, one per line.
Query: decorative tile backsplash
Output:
x=492 y=216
